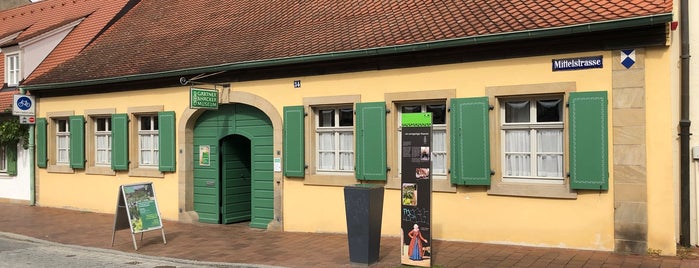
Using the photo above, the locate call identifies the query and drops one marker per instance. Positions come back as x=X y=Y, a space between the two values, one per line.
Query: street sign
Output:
x=23 y=105
x=27 y=119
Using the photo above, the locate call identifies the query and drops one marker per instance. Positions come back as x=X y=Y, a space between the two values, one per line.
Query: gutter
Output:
x=388 y=50
x=685 y=123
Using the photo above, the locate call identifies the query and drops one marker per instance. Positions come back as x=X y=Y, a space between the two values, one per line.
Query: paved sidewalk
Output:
x=237 y=243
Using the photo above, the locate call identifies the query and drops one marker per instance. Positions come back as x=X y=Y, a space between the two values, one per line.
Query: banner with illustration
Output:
x=416 y=189
x=141 y=207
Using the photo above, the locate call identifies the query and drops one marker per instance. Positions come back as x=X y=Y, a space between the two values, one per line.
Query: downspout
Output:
x=685 y=205
x=32 y=186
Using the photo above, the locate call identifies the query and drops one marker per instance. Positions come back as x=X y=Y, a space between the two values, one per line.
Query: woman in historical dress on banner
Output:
x=416 y=240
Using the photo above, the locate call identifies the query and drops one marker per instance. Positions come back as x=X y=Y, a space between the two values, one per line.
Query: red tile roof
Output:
x=41 y=17
x=6 y=101
x=159 y=36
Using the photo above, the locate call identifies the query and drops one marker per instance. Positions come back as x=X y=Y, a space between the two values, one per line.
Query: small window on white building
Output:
x=12 y=69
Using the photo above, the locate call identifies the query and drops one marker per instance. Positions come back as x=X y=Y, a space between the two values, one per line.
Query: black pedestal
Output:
x=363 y=208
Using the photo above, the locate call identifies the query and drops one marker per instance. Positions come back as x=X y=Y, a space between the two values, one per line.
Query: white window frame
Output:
x=62 y=141
x=103 y=150
x=435 y=127
x=13 y=69
x=148 y=141
x=533 y=127
x=337 y=132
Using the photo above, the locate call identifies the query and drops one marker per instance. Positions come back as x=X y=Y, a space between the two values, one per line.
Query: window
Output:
x=62 y=141
x=13 y=69
x=148 y=140
x=439 y=134
x=334 y=139
x=3 y=159
x=103 y=141
x=532 y=139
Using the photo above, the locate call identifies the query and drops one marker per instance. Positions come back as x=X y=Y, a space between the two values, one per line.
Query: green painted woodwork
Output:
x=470 y=141
x=589 y=168
x=166 y=140
x=370 y=141
x=294 y=155
x=11 y=153
x=76 y=126
x=235 y=179
x=120 y=141
x=211 y=128
x=41 y=150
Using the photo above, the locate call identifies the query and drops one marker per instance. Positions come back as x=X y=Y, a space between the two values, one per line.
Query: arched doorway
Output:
x=230 y=134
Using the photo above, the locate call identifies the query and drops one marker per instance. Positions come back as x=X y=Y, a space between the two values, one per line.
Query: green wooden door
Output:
x=211 y=128
x=235 y=179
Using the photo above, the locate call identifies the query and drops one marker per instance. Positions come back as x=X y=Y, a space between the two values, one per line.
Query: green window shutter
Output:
x=11 y=156
x=470 y=141
x=588 y=140
x=294 y=154
x=41 y=150
x=120 y=142
x=370 y=137
x=77 y=141
x=166 y=141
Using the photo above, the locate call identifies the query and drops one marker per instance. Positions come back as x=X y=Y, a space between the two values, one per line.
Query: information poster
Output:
x=416 y=189
x=141 y=207
x=204 y=155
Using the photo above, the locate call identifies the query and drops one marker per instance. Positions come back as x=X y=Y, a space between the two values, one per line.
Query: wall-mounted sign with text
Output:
x=200 y=98
x=576 y=63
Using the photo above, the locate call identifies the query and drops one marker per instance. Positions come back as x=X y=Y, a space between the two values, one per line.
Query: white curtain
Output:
x=517 y=153
x=346 y=151
x=326 y=151
x=62 y=142
x=103 y=153
x=550 y=157
x=149 y=149
x=439 y=153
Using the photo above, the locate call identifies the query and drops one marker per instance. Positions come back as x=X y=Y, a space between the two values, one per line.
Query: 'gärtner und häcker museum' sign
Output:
x=576 y=63
x=203 y=98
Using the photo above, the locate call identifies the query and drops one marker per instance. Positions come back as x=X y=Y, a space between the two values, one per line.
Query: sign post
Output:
x=416 y=189
x=137 y=210
x=200 y=98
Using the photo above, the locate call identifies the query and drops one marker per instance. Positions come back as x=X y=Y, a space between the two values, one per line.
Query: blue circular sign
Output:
x=24 y=103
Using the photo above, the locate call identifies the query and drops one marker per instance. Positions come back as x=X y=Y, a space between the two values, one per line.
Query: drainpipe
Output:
x=32 y=187
x=685 y=205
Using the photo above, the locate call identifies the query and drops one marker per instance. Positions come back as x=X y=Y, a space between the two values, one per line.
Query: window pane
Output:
x=517 y=112
x=346 y=141
x=517 y=141
x=326 y=161
x=411 y=109
x=62 y=126
x=549 y=140
x=346 y=161
x=326 y=118
x=439 y=153
x=145 y=122
x=548 y=110
x=550 y=165
x=101 y=124
x=517 y=165
x=326 y=141
x=439 y=113
x=346 y=117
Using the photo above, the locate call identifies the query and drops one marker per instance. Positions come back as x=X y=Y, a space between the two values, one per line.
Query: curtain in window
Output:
x=346 y=151
x=550 y=157
x=326 y=151
x=439 y=151
x=517 y=153
x=149 y=149
x=103 y=153
x=62 y=144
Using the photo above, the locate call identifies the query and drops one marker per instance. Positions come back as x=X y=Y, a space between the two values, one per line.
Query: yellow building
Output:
x=557 y=133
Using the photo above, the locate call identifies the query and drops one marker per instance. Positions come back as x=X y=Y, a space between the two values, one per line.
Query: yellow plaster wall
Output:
x=98 y=193
x=661 y=139
x=470 y=214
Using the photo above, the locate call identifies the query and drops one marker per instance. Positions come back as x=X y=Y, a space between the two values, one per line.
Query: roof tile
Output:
x=159 y=35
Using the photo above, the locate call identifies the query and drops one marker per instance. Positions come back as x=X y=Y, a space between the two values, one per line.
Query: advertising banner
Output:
x=416 y=189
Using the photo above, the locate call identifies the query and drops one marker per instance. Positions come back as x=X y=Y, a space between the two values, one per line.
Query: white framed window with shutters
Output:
x=438 y=153
x=103 y=141
x=334 y=139
x=532 y=132
x=148 y=140
x=62 y=141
